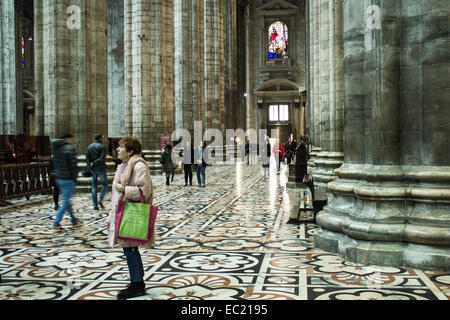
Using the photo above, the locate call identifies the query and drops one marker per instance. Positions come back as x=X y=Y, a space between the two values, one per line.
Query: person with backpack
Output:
x=96 y=162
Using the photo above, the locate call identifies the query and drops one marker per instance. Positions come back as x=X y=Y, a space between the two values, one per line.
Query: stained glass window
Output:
x=278 y=41
x=23 y=51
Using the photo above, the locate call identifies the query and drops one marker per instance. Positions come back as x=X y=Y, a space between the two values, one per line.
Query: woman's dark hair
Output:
x=131 y=145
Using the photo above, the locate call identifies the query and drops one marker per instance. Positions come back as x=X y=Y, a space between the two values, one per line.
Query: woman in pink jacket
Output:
x=133 y=174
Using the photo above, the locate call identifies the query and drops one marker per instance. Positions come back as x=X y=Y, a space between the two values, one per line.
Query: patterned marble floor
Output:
x=227 y=241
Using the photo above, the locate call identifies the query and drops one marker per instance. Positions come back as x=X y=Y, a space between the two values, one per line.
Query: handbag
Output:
x=135 y=222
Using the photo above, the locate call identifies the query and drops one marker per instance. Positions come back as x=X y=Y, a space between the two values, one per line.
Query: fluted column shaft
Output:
x=71 y=70
x=8 y=109
x=327 y=90
x=149 y=73
x=391 y=201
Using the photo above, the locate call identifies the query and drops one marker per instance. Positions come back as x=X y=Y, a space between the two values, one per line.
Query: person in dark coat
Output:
x=65 y=173
x=167 y=163
x=201 y=165
x=189 y=161
x=247 y=152
x=96 y=162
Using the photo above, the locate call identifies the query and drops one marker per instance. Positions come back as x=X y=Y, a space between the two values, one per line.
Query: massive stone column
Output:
x=315 y=118
x=391 y=203
x=251 y=53
x=231 y=90
x=8 y=110
x=116 y=99
x=149 y=73
x=71 y=69
x=183 y=63
x=198 y=64
x=328 y=91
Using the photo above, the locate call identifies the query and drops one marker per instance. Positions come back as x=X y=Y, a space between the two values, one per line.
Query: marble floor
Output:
x=227 y=241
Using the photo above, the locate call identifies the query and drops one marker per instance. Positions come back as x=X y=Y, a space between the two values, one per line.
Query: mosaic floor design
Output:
x=227 y=241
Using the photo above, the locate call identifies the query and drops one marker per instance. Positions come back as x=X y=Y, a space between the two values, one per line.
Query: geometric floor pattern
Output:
x=228 y=241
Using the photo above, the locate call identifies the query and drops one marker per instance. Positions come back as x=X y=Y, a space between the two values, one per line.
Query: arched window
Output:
x=278 y=40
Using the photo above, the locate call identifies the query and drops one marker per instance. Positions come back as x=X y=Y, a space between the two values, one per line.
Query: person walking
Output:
x=188 y=159
x=65 y=173
x=201 y=165
x=131 y=178
x=167 y=163
x=96 y=162
x=266 y=159
x=278 y=151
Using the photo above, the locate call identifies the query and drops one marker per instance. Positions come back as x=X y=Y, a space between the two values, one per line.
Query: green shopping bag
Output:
x=134 y=225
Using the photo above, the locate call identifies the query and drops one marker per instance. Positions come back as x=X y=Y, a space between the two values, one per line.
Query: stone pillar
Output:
x=251 y=53
x=329 y=93
x=240 y=115
x=183 y=63
x=232 y=95
x=71 y=70
x=116 y=99
x=198 y=63
x=391 y=201
x=8 y=109
x=149 y=73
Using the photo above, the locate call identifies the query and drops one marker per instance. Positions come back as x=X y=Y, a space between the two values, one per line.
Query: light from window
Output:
x=284 y=113
x=278 y=113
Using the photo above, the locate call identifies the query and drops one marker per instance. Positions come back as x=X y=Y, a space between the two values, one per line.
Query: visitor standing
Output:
x=201 y=165
x=266 y=155
x=189 y=160
x=131 y=178
x=96 y=162
x=167 y=163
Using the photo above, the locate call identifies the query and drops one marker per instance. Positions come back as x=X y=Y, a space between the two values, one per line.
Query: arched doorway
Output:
x=281 y=109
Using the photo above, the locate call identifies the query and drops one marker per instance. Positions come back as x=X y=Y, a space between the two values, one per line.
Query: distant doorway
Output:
x=280 y=121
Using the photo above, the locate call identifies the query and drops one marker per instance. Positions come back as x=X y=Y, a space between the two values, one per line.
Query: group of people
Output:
x=132 y=179
x=191 y=161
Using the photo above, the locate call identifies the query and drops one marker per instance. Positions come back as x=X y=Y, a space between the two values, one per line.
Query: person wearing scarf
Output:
x=131 y=176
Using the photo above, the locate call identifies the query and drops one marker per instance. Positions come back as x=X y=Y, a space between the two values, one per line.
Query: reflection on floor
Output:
x=229 y=240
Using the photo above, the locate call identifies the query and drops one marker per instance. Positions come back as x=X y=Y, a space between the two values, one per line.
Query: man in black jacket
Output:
x=96 y=161
x=65 y=172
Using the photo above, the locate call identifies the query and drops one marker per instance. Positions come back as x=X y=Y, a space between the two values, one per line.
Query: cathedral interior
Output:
x=364 y=86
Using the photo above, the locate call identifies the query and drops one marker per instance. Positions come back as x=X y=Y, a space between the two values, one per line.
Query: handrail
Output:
x=24 y=180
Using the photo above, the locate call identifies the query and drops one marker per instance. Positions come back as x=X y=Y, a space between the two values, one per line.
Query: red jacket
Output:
x=278 y=150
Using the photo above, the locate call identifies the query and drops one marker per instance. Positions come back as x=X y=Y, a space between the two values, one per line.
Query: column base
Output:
x=389 y=215
x=386 y=254
x=325 y=164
